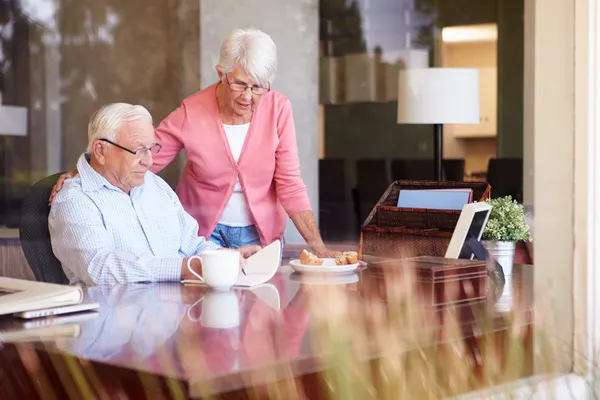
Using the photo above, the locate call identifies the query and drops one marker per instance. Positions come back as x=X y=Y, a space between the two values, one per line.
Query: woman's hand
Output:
x=324 y=252
x=59 y=184
x=307 y=226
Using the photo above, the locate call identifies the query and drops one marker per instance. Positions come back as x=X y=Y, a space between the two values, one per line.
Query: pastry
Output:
x=308 y=258
x=341 y=260
x=351 y=257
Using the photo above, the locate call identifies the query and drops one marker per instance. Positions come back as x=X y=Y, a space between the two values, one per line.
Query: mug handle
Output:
x=190 y=309
x=189 y=266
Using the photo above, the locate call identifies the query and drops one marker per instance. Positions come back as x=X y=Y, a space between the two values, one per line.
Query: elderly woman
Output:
x=242 y=176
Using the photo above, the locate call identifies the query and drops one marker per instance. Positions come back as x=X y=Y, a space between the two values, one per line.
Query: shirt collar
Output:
x=90 y=179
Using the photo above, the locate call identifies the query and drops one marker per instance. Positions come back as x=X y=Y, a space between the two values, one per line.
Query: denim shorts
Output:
x=238 y=236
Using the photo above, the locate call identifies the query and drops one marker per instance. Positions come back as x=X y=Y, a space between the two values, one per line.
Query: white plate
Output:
x=328 y=266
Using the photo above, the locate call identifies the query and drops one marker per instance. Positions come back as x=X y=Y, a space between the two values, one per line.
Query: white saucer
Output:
x=328 y=266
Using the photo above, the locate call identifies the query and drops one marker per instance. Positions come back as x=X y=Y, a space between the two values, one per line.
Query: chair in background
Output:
x=454 y=169
x=336 y=220
x=423 y=170
x=35 y=235
x=415 y=170
x=505 y=176
x=372 y=180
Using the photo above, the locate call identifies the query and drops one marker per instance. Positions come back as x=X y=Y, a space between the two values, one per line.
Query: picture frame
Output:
x=471 y=224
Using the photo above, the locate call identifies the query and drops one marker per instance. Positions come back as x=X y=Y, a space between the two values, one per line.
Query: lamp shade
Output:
x=438 y=96
x=13 y=120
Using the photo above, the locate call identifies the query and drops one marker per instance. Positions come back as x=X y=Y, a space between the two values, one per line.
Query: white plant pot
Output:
x=503 y=252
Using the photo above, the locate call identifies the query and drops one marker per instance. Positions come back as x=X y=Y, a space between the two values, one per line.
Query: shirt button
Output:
x=237 y=169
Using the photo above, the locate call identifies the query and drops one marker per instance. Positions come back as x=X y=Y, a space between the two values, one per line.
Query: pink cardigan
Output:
x=268 y=166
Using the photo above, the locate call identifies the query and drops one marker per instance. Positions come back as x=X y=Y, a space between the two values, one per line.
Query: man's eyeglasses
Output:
x=241 y=87
x=138 y=153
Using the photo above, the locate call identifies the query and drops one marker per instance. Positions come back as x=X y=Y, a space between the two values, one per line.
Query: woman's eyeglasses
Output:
x=241 y=87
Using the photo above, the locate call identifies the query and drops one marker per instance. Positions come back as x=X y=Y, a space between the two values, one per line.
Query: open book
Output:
x=259 y=268
x=17 y=295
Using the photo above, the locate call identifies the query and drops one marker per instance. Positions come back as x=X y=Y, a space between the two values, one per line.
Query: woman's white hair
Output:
x=105 y=122
x=254 y=51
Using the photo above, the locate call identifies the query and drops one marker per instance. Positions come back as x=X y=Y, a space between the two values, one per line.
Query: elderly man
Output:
x=117 y=222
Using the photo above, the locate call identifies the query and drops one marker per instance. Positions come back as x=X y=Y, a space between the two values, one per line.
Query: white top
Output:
x=236 y=212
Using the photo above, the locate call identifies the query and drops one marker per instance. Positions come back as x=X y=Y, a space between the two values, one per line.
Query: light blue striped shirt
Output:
x=102 y=235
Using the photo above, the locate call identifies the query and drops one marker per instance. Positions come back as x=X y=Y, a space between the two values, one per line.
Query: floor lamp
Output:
x=13 y=120
x=438 y=96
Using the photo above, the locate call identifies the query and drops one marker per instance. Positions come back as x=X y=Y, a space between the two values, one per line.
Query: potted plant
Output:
x=506 y=226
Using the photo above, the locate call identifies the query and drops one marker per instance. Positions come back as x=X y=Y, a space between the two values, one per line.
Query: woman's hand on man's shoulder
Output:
x=59 y=184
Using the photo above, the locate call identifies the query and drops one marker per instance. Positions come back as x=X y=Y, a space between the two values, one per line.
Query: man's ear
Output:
x=98 y=151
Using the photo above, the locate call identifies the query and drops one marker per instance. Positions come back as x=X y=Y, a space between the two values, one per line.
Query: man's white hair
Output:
x=254 y=51
x=105 y=122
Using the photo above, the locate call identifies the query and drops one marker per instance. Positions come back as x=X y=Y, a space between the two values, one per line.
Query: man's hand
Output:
x=248 y=251
x=59 y=184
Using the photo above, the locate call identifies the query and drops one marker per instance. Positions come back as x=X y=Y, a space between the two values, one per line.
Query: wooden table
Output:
x=279 y=341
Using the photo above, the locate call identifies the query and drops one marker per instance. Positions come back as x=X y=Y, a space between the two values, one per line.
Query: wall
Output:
x=90 y=53
x=476 y=152
x=552 y=28
x=97 y=69
x=369 y=130
x=466 y=12
x=528 y=97
x=473 y=54
x=294 y=27
x=511 y=37
x=509 y=17
x=15 y=153
x=586 y=190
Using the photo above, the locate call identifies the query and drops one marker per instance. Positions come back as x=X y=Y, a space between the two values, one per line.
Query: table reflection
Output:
x=241 y=329
x=192 y=330
x=133 y=320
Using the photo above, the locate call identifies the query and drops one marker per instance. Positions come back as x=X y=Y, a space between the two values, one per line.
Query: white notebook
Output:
x=18 y=295
x=259 y=268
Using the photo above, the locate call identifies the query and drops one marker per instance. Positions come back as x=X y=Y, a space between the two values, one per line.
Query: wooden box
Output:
x=439 y=281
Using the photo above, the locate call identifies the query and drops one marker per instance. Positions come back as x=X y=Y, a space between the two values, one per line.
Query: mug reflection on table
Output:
x=220 y=310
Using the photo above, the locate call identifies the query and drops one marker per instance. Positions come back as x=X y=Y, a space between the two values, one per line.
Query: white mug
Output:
x=220 y=310
x=220 y=268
